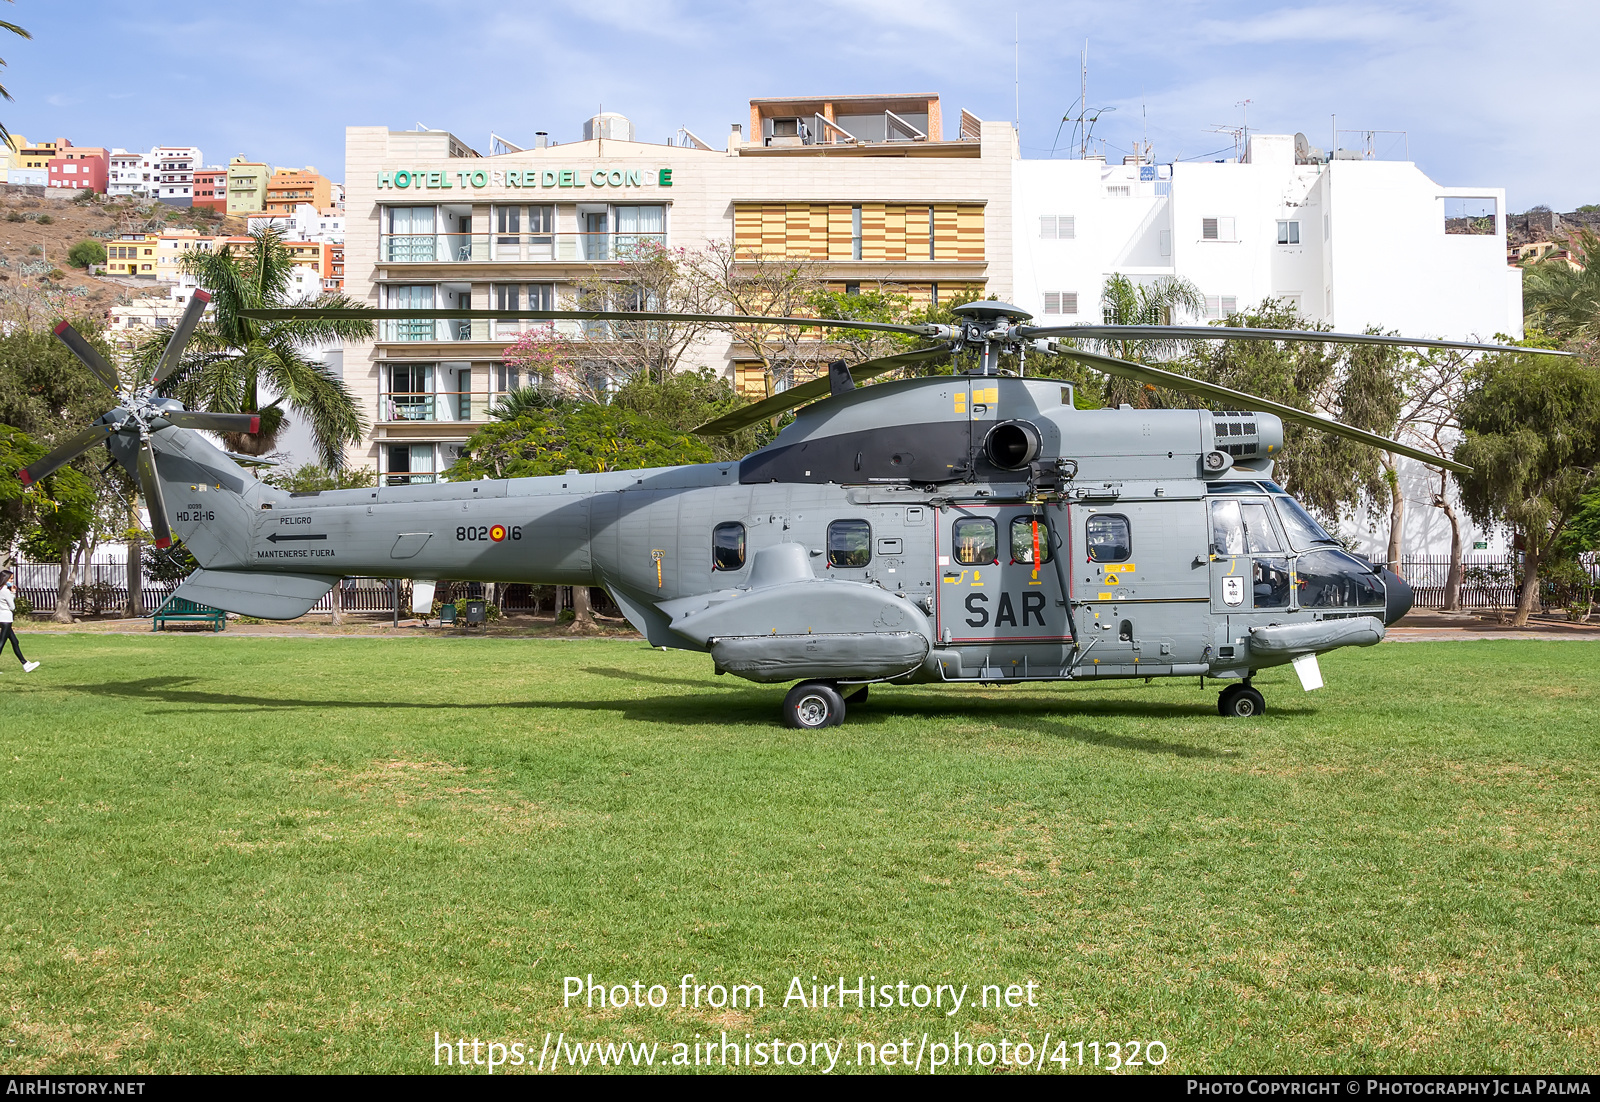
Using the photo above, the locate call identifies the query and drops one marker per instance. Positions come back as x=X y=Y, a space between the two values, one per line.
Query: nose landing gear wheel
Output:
x=813 y=704
x=1241 y=702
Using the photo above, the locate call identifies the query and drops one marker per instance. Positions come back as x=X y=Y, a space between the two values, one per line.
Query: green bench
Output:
x=179 y=610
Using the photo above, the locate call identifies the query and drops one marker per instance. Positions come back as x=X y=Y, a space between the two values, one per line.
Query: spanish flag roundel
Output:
x=497 y=533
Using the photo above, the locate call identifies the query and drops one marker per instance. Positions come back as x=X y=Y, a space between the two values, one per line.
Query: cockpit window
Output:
x=1333 y=579
x=1304 y=531
x=1227 y=528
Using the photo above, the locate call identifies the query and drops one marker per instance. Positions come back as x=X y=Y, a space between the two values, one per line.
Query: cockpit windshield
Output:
x=1304 y=531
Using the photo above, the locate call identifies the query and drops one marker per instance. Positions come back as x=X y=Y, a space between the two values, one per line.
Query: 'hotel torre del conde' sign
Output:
x=526 y=178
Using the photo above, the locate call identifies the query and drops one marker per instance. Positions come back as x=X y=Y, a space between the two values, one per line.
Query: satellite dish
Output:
x=1302 y=150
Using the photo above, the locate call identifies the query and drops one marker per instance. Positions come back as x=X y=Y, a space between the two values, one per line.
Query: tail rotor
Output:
x=139 y=411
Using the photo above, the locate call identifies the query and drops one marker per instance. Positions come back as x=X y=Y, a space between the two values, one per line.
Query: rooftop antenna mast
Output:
x=1245 y=111
x=1083 y=101
x=1016 y=72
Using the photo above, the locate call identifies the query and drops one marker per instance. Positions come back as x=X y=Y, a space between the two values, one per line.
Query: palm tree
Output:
x=232 y=361
x=1564 y=300
x=1159 y=302
x=5 y=135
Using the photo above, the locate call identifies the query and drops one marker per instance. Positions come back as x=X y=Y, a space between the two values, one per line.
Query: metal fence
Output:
x=1486 y=582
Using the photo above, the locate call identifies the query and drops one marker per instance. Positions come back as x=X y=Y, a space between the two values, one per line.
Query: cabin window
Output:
x=1271 y=582
x=727 y=546
x=1109 y=539
x=1023 y=531
x=849 y=543
x=975 y=541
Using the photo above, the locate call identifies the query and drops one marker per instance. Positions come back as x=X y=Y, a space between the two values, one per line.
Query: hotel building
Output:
x=873 y=189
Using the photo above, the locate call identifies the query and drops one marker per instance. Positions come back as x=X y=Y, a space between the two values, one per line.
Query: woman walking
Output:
x=8 y=630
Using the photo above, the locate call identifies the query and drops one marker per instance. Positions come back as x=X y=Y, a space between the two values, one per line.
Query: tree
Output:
x=5 y=135
x=648 y=277
x=314 y=477
x=583 y=436
x=764 y=285
x=689 y=399
x=1162 y=301
x=59 y=528
x=1532 y=437
x=1560 y=299
x=1328 y=473
x=231 y=362
x=85 y=253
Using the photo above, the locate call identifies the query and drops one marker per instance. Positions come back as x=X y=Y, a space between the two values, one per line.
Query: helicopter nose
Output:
x=1397 y=598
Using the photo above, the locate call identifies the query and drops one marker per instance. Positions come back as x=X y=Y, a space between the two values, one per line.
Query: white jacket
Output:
x=8 y=602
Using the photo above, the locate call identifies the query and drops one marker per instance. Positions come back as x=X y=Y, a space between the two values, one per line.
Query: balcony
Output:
x=437 y=407
x=467 y=248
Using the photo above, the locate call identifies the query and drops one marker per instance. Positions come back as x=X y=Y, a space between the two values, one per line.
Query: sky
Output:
x=1488 y=94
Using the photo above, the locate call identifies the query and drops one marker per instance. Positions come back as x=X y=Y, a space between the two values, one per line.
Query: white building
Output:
x=1347 y=242
x=128 y=174
x=32 y=177
x=1351 y=244
x=173 y=167
x=307 y=223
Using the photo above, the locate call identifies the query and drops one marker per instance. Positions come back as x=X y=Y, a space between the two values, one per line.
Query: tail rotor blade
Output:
x=49 y=464
x=86 y=352
x=150 y=486
x=180 y=337
x=215 y=422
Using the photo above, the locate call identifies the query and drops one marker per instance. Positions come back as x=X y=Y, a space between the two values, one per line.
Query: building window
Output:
x=852 y=288
x=855 y=233
x=640 y=225
x=1216 y=229
x=1470 y=216
x=974 y=541
x=1221 y=306
x=411 y=234
x=409 y=296
x=1109 y=539
x=1061 y=302
x=410 y=396
x=727 y=546
x=1288 y=233
x=1025 y=531
x=1058 y=227
x=507 y=378
x=1119 y=191
x=409 y=464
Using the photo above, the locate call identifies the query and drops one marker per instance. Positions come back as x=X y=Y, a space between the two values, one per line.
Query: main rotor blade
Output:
x=1237 y=399
x=216 y=422
x=91 y=358
x=819 y=387
x=365 y=314
x=1238 y=333
x=75 y=445
x=150 y=486
x=180 y=337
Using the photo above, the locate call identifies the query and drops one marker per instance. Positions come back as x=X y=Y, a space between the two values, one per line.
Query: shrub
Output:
x=14 y=216
x=24 y=607
x=34 y=250
x=45 y=220
x=85 y=253
x=55 y=273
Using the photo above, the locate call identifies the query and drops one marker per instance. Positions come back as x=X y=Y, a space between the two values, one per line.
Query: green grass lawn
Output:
x=225 y=854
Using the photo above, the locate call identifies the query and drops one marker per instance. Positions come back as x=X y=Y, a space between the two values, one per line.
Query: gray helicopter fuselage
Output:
x=974 y=528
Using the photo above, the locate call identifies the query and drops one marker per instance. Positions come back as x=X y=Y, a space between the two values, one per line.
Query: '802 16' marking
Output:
x=488 y=533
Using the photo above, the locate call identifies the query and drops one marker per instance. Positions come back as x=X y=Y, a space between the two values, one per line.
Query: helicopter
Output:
x=972 y=528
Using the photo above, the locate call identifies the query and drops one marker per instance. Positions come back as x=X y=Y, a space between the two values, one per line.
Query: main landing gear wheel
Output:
x=1241 y=702
x=813 y=704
